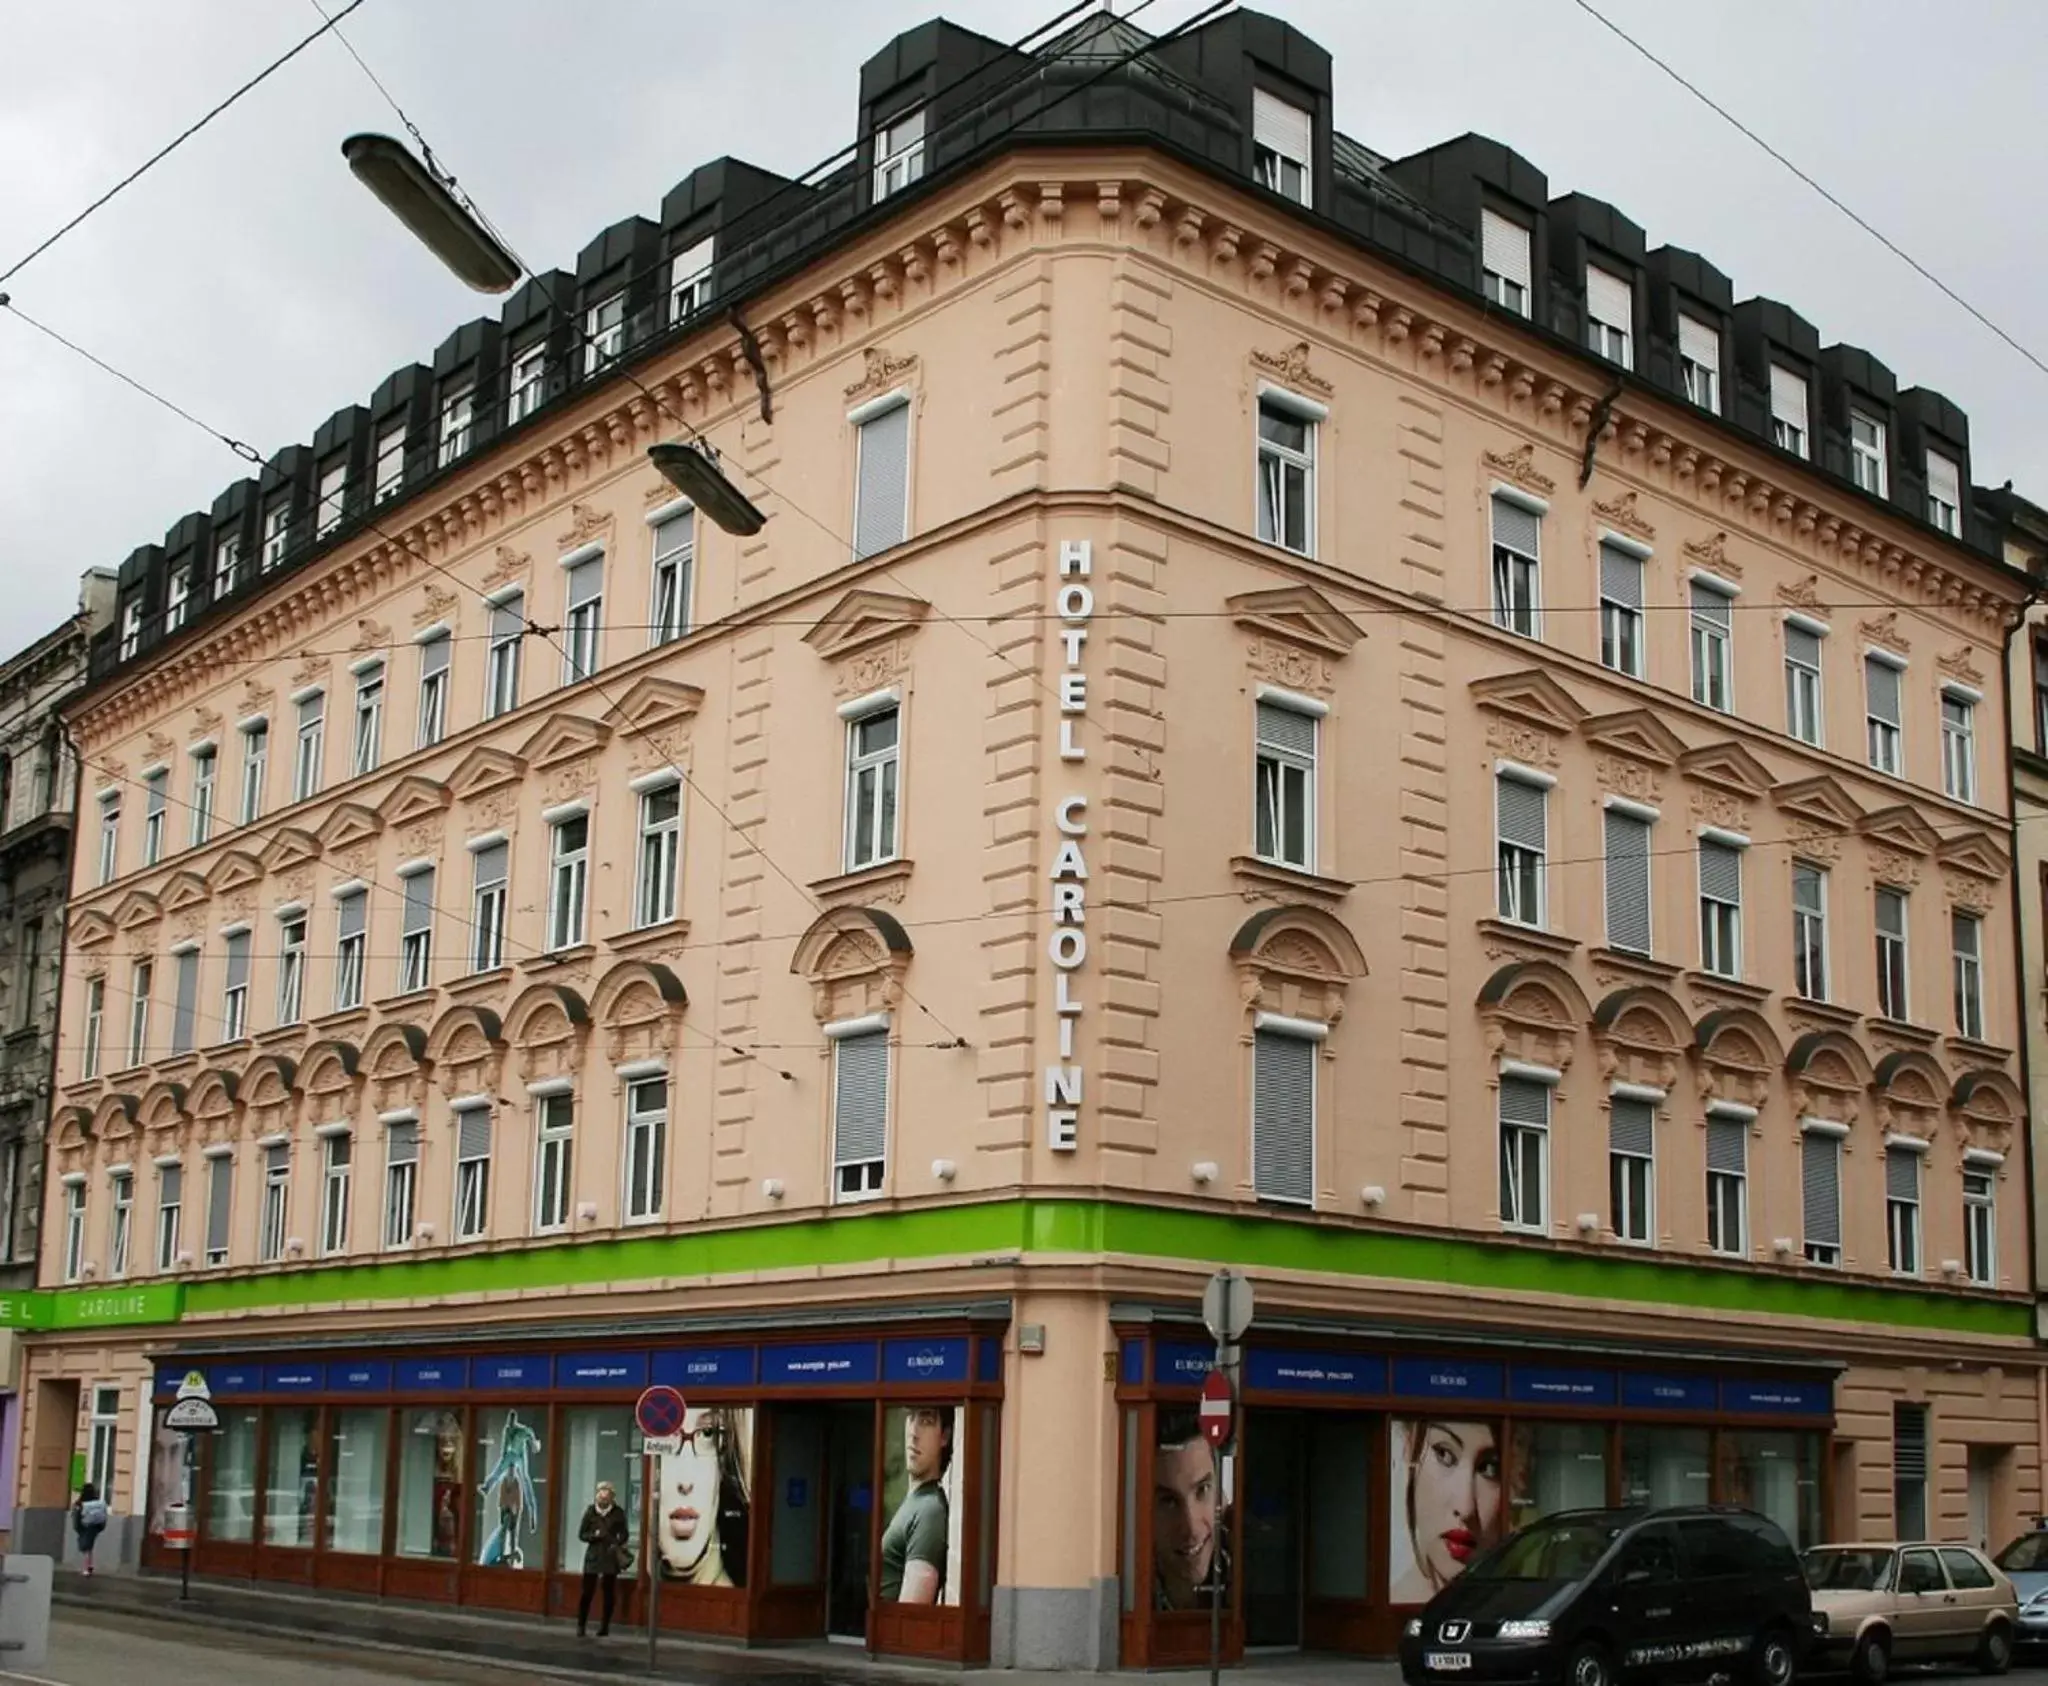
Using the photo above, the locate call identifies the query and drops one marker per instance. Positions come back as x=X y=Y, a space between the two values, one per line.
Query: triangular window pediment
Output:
x=1820 y=799
x=1728 y=765
x=349 y=824
x=484 y=769
x=1635 y=732
x=91 y=928
x=1299 y=613
x=289 y=848
x=137 y=907
x=563 y=738
x=186 y=889
x=652 y=703
x=414 y=798
x=1530 y=695
x=861 y=618
x=1902 y=827
x=1975 y=854
x=235 y=870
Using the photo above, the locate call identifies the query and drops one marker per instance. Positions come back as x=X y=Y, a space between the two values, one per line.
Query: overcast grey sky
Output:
x=252 y=281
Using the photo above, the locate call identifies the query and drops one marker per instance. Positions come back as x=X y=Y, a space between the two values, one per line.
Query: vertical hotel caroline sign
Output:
x=1066 y=945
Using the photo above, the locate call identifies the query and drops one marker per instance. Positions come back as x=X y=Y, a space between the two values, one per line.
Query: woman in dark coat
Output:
x=605 y=1553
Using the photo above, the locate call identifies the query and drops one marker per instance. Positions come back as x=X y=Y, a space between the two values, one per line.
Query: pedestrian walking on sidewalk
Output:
x=88 y=1521
x=605 y=1556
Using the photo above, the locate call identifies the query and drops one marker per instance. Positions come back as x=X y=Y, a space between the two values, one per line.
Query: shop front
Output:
x=1364 y=1477
x=835 y=1488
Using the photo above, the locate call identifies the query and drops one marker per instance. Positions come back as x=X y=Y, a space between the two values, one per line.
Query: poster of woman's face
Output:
x=702 y=1503
x=1190 y=1556
x=921 y=1496
x=172 y=1460
x=1446 y=1503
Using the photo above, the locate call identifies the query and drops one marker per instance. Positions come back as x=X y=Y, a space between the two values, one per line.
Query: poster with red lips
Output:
x=703 y=1505
x=1445 y=1503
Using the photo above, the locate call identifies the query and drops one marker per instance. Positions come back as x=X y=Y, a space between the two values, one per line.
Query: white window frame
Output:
x=277 y=532
x=141 y=980
x=1621 y=1201
x=1498 y=233
x=861 y=418
x=275 y=1210
x=1959 y=742
x=1310 y=1034
x=554 y=1157
x=1810 y=935
x=689 y=279
x=437 y=672
x=103 y=1459
x=1277 y=464
x=331 y=499
x=884 y=769
x=502 y=653
x=220 y=1205
x=309 y=746
x=1546 y=1079
x=337 y=1176
x=234 y=997
x=401 y=1186
x=645 y=1131
x=1827 y=1254
x=1272 y=762
x=170 y=1213
x=458 y=424
x=1510 y=568
x=74 y=1226
x=1967 y=974
x=1622 y=628
x=291 y=965
x=1513 y=860
x=1701 y=375
x=658 y=856
x=415 y=940
x=1980 y=1217
x=367 y=747
x=1945 y=474
x=489 y=905
x=390 y=463
x=177 y=597
x=1805 y=685
x=110 y=836
x=95 y=1026
x=1789 y=432
x=471 y=1215
x=899 y=151
x=1868 y=467
x=1898 y=1010
x=156 y=800
x=121 y=1226
x=1705 y=637
x=131 y=628
x=568 y=878
x=855 y=1180
x=672 y=573
x=1904 y=1232
x=526 y=381
x=1733 y=967
x=604 y=330
x=1283 y=134
x=255 y=735
x=351 y=949
x=1647 y=817
x=205 y=760
x=1743 y=1117
x=227 y=564
x=582 y=622
x=1614 y=341
x=1885 y=740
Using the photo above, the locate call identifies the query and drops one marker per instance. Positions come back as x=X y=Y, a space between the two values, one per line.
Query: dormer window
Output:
x=899 y=153
x=524 y=385
x=1944 y=493
x=1504 y=259
x=458 y=414
x=390 y=461
x=1788 y=410
x=131 y=627
x=177 y=598
x=1866 y=452
x=1699 y=359
x=1610 y=316
x=689 y=281
x=277 y=527
x=333 y=487
x=604 y=331
x=227 y=563
x=1280 y=146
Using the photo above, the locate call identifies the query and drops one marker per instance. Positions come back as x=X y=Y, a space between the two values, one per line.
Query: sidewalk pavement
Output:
x=552 y=1645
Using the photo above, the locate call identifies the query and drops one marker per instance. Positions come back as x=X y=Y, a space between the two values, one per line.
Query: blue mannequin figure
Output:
x=510 y=1481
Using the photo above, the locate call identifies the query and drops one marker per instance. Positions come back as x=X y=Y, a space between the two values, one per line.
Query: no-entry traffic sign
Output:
x=1215 y=1411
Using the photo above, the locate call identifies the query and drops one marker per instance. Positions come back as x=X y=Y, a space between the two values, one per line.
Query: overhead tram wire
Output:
x=1832 y=198
x=176 y=141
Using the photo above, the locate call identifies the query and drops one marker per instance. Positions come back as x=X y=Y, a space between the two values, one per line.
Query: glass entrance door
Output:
x=850 y=1465
x=1276 y=1450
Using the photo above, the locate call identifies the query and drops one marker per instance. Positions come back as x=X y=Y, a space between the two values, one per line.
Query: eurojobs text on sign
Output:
x=1073 y=605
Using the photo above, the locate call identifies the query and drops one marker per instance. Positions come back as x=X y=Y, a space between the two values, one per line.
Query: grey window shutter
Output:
x=238 y=960
x=1901 y=1174
x=1788 y=396
x=159 y=792
x=1283 y=1116
x=1632 y=1127
x=187 y=1001
x=434 y=655
x=860 y=1106
x=490 y=864
x=1519 y=810
x=1699 y=342
x=1504 y=247
x=1721 y=872
x=353 y=911
x=1628 y=882
x=419 y=901
x=473 y=1133
x=220 y=1200
x=884 y=481
x=1609 y=298
x=586 y=580
x=507 y=616
x=1621 y=576
x=276 y=1156
x=401 y=1144
x=1801 y=646
x=1727 y=1145
x=1713 y=607
x=1806 y=890
x=1909 y=1441
x=1516 y=527
x=172 y=1188
x=1280 y=127
x=1287 y=728
x=1821 y=1183
x=1524 y=1102
x=1881 y=681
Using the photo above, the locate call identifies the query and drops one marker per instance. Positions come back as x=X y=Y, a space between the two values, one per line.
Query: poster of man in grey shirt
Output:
x=915 y=1542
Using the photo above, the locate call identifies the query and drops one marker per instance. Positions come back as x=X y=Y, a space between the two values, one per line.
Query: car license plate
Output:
x=1447 y=1662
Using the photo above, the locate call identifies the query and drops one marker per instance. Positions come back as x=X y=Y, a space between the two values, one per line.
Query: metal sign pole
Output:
x=647 y=1479
x=1215 y=1559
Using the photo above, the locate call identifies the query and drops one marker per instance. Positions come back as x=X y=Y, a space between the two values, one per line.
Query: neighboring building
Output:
x=1242 y=741
x=38 y=802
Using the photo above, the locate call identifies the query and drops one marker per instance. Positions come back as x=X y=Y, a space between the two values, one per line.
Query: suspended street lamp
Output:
x=415 y=194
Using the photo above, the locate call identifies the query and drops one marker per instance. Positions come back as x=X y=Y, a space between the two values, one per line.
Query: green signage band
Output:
x=1021 y=1229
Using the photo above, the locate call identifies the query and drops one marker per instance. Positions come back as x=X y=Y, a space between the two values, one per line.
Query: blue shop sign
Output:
x=360 y=1376
x=1181 y=1363
x=526 y=1369
x=294 y=1378
x=1131 y=1363
x=988 y=1359
x=1778 y=1397
x=601 y=1369
x=1550 y=1384
x=941 y=1360
x=230 y=1378
x=822 y=1364
x=1448 y=1378
x=432 y=1375
x=704 y=1366
x=1647 y=1391
x=1300 y=1370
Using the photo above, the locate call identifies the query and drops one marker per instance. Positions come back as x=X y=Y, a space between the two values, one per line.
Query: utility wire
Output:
x=176 y=141
x=1861 y=222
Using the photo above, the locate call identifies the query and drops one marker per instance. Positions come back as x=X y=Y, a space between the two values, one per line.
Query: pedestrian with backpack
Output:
x=88 y=1521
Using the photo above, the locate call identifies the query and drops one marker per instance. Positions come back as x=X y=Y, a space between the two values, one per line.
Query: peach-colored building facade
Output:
x=978 y=940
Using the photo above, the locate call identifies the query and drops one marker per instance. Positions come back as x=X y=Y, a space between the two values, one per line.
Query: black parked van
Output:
x=1596 y=1597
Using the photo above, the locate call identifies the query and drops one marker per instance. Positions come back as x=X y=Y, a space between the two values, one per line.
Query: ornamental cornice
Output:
x=1332 y=300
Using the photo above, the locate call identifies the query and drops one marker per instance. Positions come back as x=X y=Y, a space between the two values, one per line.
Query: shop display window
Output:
x=1557 y=1466
x=599 y=1443
x=1444 y=1504
x=703 y=1503
x=1190 y=1515
x=1134 y=1463
x=291 y=1486
x=987 y=1430
x=1776 y=1473
x=1666 y=1466
x=512 y=1486
x=231 y=1482
x=358 y=1442
x=430 y=1492
x=921 y=1498
x=1338 y=1497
